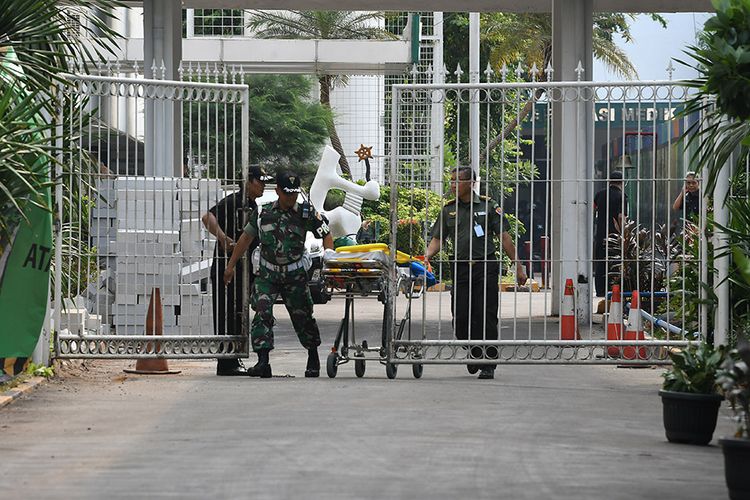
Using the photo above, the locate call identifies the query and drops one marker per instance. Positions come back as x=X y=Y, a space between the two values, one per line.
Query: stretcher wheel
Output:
x=417 y=370
x=359 y=367
x=391 y=370
x=332 y=366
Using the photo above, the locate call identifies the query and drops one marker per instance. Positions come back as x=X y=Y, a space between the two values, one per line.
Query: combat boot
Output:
x=262 y=368
x=313 y=363
x=488 y=372
x=230 y=368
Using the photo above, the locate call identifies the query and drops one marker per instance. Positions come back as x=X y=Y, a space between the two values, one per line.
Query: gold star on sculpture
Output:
x=364 y=152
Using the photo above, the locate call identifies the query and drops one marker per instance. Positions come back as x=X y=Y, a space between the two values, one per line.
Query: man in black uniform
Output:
x=225 y=221
x=467 y=220
x=610 y=208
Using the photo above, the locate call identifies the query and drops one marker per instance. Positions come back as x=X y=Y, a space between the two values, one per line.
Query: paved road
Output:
x=535 y=432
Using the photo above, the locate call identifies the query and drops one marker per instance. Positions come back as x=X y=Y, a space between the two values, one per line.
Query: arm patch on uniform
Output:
x=322 y=229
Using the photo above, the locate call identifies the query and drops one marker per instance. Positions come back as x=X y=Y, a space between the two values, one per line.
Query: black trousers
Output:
x=227 y=302
x=474 y=301
x=600 y=268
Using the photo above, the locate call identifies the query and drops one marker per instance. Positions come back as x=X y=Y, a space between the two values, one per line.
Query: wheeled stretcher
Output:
x=365 y=271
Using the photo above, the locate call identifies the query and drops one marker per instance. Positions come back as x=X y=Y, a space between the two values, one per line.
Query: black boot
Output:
x=229 y=368
x=262 y=368
x=488 y=372
x=313 y=363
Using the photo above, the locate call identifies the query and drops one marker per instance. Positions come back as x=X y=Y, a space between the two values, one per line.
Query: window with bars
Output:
x=219 y=22
x=416 y=118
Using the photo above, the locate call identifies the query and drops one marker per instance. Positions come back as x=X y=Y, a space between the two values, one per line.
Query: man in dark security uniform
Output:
x=610 y=207
x=225 y=221
x=470 y=221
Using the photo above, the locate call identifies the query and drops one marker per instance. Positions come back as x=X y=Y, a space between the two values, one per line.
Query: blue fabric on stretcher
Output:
x=418 y=269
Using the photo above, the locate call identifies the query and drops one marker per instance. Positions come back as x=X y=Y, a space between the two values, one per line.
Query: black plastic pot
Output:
x=690 y=418
x=737 y=467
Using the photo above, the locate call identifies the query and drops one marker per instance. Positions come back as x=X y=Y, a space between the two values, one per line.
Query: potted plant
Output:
x=690 y=396
x=734 y=379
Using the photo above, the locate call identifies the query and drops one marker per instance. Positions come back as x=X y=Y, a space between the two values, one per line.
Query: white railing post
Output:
x=474 y=94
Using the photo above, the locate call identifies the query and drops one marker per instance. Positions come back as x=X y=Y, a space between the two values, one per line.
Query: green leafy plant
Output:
x=279 y=107
x=694 y=369
x=685 y=286
x=723 y=62
x=40 y=370
x=639 y=256
x=734 y=379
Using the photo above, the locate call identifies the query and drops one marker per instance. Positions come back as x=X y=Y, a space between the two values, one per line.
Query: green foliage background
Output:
x=287 y=128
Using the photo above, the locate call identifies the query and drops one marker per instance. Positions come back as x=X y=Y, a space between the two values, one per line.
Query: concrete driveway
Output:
x=535 y=432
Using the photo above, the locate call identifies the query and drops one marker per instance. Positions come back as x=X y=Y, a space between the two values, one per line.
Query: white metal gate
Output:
x=545 y=184
x=151 y=158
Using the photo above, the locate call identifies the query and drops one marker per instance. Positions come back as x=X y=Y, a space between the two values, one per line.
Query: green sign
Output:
x=24 y=273
x=617 y=114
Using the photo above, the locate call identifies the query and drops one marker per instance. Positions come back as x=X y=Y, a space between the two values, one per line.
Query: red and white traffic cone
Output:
x=568 y=322
x=634 y=330
x=615 y=322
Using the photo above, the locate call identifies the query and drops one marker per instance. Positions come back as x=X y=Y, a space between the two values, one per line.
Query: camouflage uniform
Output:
x=282 y=246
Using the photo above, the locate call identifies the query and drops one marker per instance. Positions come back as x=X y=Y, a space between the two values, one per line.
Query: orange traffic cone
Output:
x=614 y=325
x=568 y=322
x=154 y=326
x=634 y=330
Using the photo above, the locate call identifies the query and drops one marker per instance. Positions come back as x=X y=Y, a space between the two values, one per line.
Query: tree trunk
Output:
x=538 y=93
x=514 y=123
x=325 y=100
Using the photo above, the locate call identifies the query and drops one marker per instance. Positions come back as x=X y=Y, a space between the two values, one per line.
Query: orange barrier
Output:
x=568 y=321
x=634 y=330
x=155 y=327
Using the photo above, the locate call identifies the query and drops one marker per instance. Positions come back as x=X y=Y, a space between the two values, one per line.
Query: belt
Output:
x=282 y=269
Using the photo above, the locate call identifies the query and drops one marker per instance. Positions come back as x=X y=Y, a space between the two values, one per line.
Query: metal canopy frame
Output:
x=631 y=6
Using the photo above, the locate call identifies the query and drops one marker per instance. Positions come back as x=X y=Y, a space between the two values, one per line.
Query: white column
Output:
x=162 y=42
x=437 y=110
x=572 y=130
x=721 y=259
x=474 y=103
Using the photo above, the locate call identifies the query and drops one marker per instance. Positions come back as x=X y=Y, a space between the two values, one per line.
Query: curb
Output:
x=10 y=395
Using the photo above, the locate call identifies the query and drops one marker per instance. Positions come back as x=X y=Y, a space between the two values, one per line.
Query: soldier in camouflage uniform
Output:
x=468 y=220
x=281 y=228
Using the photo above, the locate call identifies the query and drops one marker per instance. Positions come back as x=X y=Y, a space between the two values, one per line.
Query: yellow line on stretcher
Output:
x=364 y=270
x=401 y=257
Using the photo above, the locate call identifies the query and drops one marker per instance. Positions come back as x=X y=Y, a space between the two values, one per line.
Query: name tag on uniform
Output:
x=478 y=230
x=480 y=213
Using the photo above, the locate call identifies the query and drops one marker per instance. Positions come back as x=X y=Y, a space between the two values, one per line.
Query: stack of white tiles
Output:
x=103 y=227
x=148 y=252
x=103 y=232
x=196 y=197
x=158 y=241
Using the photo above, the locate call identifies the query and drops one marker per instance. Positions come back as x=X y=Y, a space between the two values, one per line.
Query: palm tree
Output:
x=40 y=41
x=326 y=24
x=527 y=38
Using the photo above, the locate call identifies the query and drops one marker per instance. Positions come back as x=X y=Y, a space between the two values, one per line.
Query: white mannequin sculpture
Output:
x=347 y=219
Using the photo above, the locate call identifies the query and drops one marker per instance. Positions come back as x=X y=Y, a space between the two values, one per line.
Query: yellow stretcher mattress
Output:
x=357 y=260
x=401 y=257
